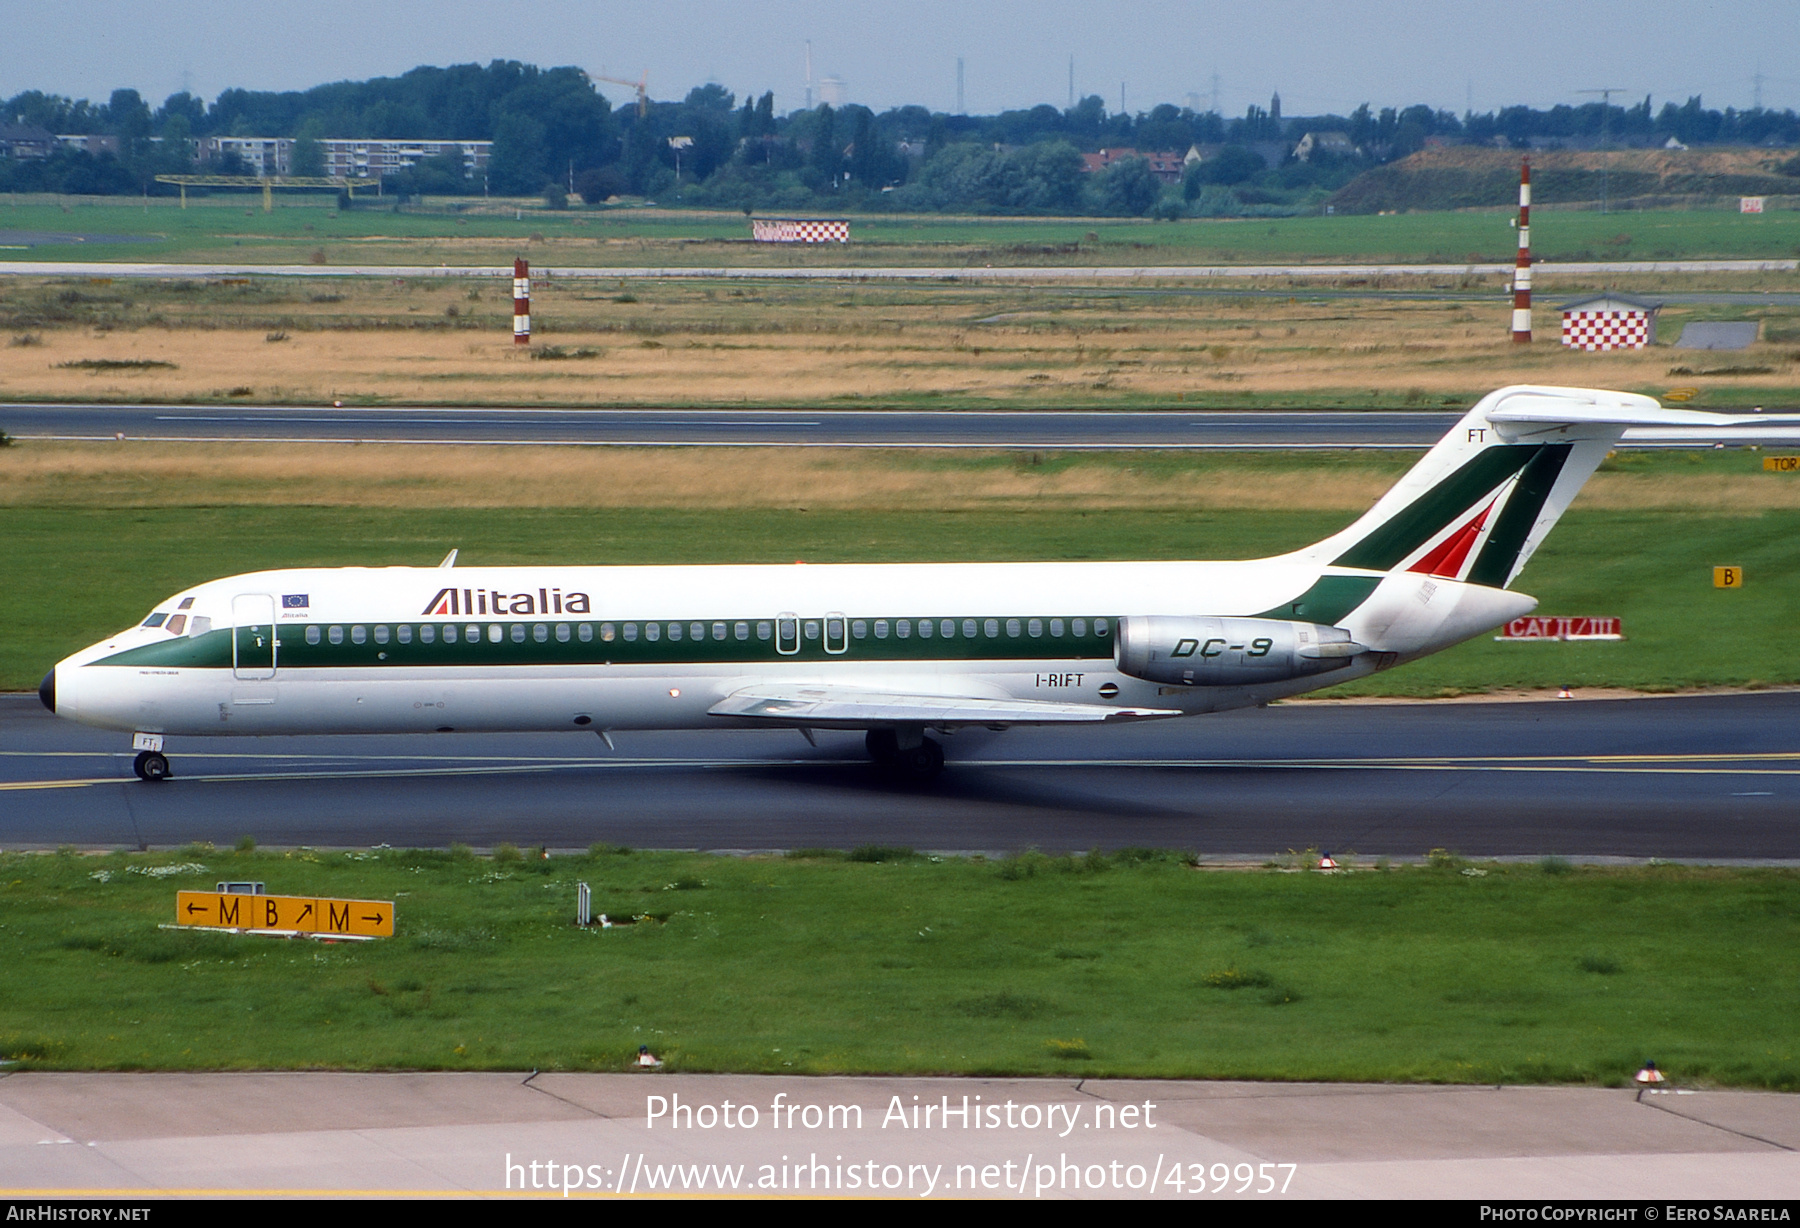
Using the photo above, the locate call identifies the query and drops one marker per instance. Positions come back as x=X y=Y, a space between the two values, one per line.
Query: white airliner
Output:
x=897 y=650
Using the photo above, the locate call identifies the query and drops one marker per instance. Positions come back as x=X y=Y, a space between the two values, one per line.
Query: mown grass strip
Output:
x=897 y=963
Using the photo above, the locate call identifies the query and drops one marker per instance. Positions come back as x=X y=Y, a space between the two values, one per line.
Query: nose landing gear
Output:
x=151 y=765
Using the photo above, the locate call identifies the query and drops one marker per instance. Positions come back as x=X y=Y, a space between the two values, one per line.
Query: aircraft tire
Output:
x=151 y=766
x=922 y=762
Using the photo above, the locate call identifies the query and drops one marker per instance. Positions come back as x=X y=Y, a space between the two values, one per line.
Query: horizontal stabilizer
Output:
x=823 y=707
x=1563 y=410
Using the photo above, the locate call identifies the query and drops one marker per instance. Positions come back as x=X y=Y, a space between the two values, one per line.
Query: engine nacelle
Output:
x=1228 y=651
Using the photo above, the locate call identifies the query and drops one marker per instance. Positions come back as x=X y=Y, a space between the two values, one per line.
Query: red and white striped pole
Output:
x=1521 y=320
x=521 y=302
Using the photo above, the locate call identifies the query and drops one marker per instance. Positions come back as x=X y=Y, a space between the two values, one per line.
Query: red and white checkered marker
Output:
x=791 y=230
x=521 y=302
x=1606 y=330
x=1327 y=862
x=1649 y=1074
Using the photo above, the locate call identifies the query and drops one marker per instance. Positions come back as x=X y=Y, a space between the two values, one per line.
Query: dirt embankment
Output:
x=1464 y=177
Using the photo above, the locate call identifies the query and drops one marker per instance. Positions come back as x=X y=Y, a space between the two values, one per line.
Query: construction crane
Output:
x=641 y=85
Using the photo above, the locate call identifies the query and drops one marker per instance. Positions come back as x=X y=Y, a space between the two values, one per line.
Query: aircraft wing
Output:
x=827 y=707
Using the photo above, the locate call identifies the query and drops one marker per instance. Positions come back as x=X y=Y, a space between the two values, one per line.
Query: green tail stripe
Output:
x=1329 y=599
x=1426 y=516
x=1494 y=565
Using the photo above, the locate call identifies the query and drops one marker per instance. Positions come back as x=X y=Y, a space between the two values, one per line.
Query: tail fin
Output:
x=1477 y=506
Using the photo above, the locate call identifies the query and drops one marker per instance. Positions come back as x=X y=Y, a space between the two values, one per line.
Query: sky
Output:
x=1323 y=56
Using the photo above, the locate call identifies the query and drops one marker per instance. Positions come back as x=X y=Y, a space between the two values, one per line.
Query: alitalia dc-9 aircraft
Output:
x=896 y=650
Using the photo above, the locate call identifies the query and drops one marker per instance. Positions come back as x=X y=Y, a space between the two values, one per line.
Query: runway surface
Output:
x=710 y=427
x=1223 y=430
x=1713 y=778
x=1033 y=273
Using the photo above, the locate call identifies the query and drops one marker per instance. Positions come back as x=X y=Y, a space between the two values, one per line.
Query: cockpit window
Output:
x=187 y=603
x=177 y=624
x=155 y=620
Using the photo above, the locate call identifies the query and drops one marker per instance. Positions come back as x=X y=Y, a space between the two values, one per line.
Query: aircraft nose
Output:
x=47 y=690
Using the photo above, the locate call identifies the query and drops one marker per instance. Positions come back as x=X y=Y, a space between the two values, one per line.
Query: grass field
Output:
x=310 y=229
x=97 y=535
x=1128 y=965
x=427 y=341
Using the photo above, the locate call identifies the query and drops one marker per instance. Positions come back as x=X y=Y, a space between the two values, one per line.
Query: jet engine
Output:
x=1228 y=651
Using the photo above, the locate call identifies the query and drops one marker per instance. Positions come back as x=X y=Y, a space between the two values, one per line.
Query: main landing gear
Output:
x=151 y=765
x=906 y=752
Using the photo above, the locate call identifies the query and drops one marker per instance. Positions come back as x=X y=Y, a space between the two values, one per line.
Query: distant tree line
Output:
x=552 y=129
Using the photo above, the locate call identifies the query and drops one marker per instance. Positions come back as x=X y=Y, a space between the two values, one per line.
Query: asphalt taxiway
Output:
x=1283 y=429
x=1700 y=777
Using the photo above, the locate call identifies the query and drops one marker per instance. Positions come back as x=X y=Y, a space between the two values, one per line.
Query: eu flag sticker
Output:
x=293 y=601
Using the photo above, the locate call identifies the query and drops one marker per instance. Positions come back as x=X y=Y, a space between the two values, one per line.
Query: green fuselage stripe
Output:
x=214 y=649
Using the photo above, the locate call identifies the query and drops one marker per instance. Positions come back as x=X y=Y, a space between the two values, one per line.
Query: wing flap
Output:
x=843 y=707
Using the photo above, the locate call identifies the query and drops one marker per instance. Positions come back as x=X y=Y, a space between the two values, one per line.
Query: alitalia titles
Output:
x=462 y=602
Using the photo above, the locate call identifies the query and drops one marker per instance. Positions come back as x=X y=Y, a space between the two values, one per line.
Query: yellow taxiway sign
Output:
x=285 y=914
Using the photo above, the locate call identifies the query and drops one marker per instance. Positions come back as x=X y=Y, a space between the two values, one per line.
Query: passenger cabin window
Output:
x=495 y=633
x=427 y=633
x=740 y=631
x=924 y=628
x=381 y=635
x=881 y=628
x=763 y=631
x=968 y=628
x=903 y=628
x=631 y=631
x=696 y=631
x=449 y=633
x=1099 y=626
x=652 y=631
x=1079 y=626
x=312 y=635
x=335 y=635
x=810 y=629
x=991 y=627
x=674 y=631
x=403 y=633
x=1012 y=627
x=540 y=633
x=359 y=635
x=1056 y=626
x=562 y=633
x=518 y=633
x=586 y=632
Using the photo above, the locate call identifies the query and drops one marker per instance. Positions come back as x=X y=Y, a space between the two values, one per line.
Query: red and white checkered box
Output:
x=789 y=230
x=1606 y=330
